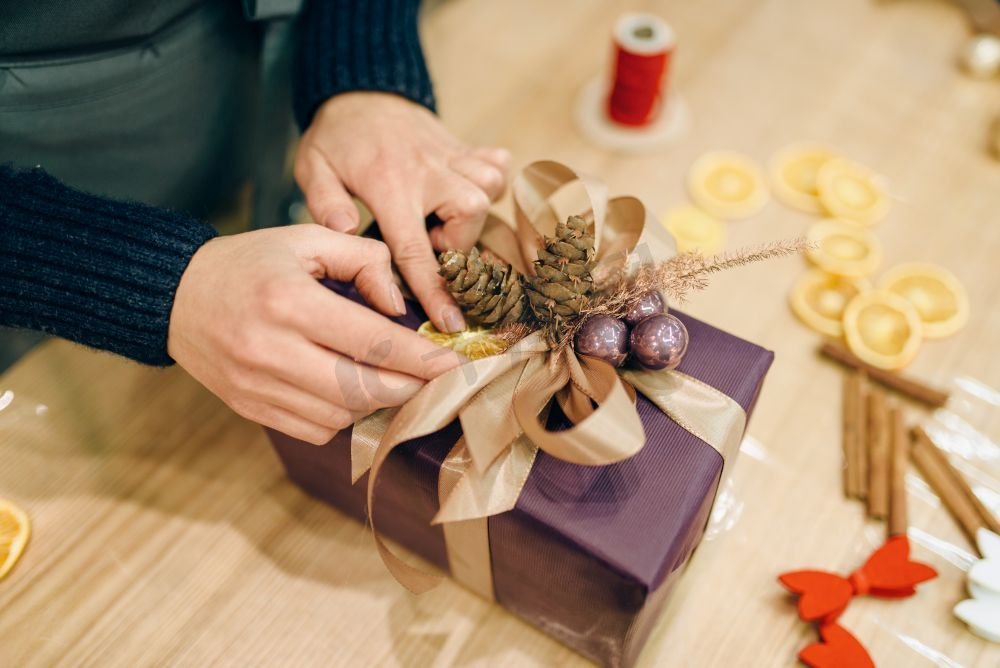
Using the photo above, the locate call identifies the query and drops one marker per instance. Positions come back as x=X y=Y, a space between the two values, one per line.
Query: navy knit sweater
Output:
x=103 y=272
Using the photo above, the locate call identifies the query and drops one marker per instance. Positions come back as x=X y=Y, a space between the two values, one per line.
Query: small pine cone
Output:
x=562 y=280
x=489 y=292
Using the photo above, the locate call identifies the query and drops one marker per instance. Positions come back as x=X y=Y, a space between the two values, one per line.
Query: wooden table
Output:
x=165 y=532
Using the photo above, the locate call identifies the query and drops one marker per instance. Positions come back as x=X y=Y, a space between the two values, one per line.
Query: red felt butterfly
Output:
x=888 y=573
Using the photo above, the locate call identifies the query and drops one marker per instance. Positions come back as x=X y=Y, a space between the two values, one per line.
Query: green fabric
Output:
x=47 y=26
x=119 y=122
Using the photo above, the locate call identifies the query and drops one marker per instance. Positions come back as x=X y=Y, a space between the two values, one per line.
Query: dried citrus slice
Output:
x=14 y=532
x=793 y=173
x=851 y=191
x=474 y=342
x=843 y=248
x=727 y=185
x=882 y=329
x=695 y=230
x=819 y=300
x=938 y=296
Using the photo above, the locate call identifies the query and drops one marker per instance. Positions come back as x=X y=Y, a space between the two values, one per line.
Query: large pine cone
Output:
x=562 y=278
x=489 y=292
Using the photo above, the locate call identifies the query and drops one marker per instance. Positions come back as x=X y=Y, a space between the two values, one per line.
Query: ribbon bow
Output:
x=502 y=401
x=888 y=573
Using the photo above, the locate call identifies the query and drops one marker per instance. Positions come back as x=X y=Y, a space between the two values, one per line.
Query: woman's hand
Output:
x=253 y=325
x=401 y=161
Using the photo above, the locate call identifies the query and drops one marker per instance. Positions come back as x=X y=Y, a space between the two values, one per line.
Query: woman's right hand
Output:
x=251 y=323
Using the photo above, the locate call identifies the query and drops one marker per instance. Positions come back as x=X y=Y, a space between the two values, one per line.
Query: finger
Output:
x=402 y=226
x=334 y=378
x=462 y=206
x=370 y=338
x=365 y=262
x=328 y=201
x=288 y=423
x=498 y=157
x=310 y=407
x=485 y=175
x=358 y=388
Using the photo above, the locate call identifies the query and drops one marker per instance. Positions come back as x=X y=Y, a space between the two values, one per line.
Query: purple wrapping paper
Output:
x=589 y=554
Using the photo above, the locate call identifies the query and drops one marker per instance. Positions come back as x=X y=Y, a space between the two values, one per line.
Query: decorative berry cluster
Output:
x=653 y=338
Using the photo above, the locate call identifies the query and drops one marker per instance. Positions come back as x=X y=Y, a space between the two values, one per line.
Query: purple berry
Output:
x=650 y=303
x=659 y=342
x=603 y=337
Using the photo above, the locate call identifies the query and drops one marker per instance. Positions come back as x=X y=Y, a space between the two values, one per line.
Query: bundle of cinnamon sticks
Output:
x=877 y=445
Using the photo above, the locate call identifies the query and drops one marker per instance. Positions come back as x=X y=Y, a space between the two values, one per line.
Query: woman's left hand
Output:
x=401 y=161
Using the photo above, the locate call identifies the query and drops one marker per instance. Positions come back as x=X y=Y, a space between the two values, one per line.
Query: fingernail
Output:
x=453 y=320
x=397 y=299
x=342 y=221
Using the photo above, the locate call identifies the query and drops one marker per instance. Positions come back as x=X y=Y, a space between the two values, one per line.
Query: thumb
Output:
x=364 y=262
x=329 y=202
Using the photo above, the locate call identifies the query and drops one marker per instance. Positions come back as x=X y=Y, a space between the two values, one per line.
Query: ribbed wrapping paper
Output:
x=589 y=554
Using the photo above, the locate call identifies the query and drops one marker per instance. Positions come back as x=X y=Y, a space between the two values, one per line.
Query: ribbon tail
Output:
x=365 y=437
x=488 y=422
x=471 y=495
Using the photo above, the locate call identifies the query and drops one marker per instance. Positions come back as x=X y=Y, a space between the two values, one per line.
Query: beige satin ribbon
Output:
x=502 y=401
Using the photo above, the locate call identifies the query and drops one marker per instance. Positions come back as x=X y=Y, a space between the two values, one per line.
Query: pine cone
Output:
x=562 y=278
x=489 y=292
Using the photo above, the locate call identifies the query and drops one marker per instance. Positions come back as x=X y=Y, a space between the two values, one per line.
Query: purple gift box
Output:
x=589 y=554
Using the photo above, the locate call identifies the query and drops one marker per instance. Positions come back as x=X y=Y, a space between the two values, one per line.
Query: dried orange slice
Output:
x=474 y=342
x=843 y=248
x=793 y=173
x=882 y=329
x=727 y=185
x=695 y=230
x=819 y=300
x=938 y=296
x=851 y=191
x=14 y=532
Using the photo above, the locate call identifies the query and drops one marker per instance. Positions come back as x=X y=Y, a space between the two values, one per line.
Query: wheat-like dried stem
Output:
x=676 y=277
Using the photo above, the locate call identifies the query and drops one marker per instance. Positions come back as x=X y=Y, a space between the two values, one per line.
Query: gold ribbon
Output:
x=502 y=401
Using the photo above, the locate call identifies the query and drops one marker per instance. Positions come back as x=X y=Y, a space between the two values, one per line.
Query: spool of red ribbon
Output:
x=643 y=46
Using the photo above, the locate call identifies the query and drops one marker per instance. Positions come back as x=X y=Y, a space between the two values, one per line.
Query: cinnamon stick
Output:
x=989 y=520
x=878 y=454
x=950 y=486
x=848 y=433
x=912 y=388
x=861 y=436
x=900 y=449
x=853 y=431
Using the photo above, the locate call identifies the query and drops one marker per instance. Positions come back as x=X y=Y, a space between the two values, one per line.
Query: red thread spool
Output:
x=643 y=46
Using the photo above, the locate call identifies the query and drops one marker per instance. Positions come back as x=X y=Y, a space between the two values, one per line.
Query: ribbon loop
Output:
x=610 y=433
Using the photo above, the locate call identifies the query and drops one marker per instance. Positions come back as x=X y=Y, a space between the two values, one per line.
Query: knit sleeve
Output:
x=347 y=45
x=92 y=270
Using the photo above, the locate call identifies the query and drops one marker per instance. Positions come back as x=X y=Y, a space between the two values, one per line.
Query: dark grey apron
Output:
x=180 y=116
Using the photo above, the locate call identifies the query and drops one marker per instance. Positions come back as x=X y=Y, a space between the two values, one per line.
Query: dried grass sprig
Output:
x=513 y=332
x=676 y=277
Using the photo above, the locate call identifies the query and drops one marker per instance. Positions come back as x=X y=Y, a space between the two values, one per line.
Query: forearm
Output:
x=347 y=46
x=96 y=271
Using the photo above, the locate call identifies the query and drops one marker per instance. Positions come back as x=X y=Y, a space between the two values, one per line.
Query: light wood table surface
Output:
x=166 y=533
